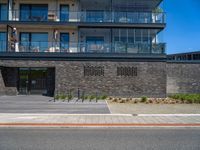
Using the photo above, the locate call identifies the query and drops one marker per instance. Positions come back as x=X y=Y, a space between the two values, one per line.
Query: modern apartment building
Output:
x=107 y=47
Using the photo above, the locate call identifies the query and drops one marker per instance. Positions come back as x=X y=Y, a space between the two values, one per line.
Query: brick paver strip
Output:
x=96 y=120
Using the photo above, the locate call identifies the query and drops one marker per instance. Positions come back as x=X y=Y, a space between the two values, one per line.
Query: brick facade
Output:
x=183 y=78
x=149 y=80
x=136 y=79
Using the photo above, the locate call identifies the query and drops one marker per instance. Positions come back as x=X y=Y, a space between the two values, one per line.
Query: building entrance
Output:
x=33 y=81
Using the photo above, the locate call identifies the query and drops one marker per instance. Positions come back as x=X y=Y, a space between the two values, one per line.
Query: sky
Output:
x=182 y=33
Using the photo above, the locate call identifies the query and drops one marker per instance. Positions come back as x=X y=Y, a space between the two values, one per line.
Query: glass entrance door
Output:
x=33 y=81
x=38 y=77
x=23 y=80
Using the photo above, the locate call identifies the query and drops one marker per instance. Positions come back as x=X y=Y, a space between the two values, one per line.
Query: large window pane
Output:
x=95 y=44
x=25 y=12
x=33 y=12
x=39 y=42
x=3 y=12
x=39 y=12
x=34 y=42
x=24 y=42
x=2 y=41
x=95 y=16
x=64 y=42
x=64 y=12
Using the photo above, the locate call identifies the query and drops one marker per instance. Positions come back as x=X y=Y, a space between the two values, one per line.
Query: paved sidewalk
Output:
x=73 y=120
x=130 y=108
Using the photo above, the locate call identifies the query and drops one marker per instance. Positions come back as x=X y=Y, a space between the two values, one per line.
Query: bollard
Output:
x=69 y=93
x=83 y=96
x=96 y=98
x=78 y=93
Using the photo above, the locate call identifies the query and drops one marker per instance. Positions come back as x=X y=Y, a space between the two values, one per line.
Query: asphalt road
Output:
x=99 y=139
x=42 y=104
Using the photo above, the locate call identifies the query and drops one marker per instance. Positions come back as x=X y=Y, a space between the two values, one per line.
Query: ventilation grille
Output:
x=93 y=71
x=127 y=71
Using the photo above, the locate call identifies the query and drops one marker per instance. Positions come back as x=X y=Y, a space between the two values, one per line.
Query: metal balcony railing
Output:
x=86 y=16
x=74 y=47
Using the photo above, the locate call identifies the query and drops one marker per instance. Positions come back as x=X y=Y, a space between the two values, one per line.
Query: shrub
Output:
x=56 y=97
x=91 y=97
x=63 y=97
x=188 y=98
x=103 y=97
x=143 y=99
x=86 y=97
x=69 y=97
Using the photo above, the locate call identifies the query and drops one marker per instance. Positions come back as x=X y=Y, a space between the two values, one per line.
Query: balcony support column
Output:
x=150 y=43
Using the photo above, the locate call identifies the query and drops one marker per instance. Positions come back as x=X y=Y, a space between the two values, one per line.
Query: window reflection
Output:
x=2 y=41
x=64 y=12
x=3 y=12
x=64 y=42
x=34 y=42
x=33 y=12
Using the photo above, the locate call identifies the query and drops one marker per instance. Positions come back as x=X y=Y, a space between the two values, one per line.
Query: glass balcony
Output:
x=88 y=16
x=74 y=47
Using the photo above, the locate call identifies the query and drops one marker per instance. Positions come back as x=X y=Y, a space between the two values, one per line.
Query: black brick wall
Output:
x=183 y=78
x=150 y=79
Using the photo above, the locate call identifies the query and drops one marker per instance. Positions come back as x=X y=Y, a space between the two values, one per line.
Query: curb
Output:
x=139 y=115
x=96 y=125
x=168 y=115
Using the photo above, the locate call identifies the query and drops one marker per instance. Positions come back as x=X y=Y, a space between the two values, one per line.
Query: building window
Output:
x=94 y=16
x=95 y=44
x=93 y=71
x=3 y=12
x=33 y=12
x=127 y=71
x=34 y=42
x=3 y=41
x=64 y=12
x=64 y=42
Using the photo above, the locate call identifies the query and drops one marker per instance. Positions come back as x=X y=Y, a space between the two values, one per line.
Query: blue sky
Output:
x=182 y=33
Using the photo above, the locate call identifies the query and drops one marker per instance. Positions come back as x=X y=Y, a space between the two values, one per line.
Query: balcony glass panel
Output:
x=83 y=47
x=41 y=13
x=133 y=17
x=3 y=41
x=3 y=12
x=95 y=44
x=94 y=16
x=33 y=12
